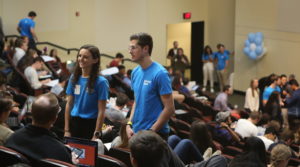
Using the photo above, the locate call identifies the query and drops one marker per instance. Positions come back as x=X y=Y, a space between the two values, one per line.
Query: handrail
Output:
x=68 y=50
x=57 y=46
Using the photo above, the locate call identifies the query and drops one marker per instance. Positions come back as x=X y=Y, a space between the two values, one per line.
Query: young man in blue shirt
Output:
x=274 y=86
x=26 y=28
x=153 y=104
x=222 y=59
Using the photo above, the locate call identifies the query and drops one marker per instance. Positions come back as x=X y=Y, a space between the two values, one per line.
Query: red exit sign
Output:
x=187 y=15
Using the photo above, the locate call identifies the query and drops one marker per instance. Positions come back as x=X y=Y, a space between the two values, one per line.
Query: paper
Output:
x=52 y=83
x=47 y=58
x=110 y=71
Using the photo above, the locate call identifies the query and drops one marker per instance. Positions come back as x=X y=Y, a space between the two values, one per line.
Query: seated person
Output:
x=269 y=137
x=254 y=154
x=149 y=150
x=20 y=50
x=287 y=137
x=247 y=127
x=121 y=140
x=114 y=116
x=32 y=75
x=280 y=156
x=221 y=101
x=192 y=150
x=36 y=141
x=117 y=60
x=223 y=132
x=127 y=78
x=6 y=104
x=57 y=62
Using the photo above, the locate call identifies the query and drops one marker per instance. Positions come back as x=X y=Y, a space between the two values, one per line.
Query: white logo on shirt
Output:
x=146 y=82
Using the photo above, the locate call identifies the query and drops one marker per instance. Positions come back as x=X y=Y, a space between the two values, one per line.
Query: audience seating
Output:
x=183 y=134
x=122 y=154
x=107 y=161
x=232 y=150
x=53 y=163
x=294 y=162
x=10 y=157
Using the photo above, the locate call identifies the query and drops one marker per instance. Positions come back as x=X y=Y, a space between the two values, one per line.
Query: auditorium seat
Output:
x=122 y=154
x=9 y=157
x=108 y=161
x=53 y=163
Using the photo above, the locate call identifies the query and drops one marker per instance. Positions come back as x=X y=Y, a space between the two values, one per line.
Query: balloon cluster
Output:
x=254 y=46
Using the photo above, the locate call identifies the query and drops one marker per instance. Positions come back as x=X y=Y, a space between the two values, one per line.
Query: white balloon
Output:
x=252 y=46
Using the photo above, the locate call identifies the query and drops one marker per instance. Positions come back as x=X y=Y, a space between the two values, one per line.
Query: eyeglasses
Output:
x=132 y=47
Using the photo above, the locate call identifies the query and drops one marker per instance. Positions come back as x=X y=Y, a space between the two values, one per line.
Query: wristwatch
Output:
x=98 y=134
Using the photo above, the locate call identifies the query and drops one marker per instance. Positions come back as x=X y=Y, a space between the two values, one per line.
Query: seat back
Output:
x=121 y=154
x=10 y=157
x=53 y=163
x=108 y=161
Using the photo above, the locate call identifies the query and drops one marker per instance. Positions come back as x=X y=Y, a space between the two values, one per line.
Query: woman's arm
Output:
x=100 y=117
x=69 y=106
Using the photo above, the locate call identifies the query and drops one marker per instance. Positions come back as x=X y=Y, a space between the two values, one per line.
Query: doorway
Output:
x=190 y=37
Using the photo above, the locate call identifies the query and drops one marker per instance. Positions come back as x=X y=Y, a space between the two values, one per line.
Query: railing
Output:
x=68 y=50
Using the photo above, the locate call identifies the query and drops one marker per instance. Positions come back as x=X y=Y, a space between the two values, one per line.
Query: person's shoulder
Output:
x=101 y=79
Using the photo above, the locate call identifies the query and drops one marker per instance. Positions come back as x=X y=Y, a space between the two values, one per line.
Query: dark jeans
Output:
x=185 y=149
x=82 y=128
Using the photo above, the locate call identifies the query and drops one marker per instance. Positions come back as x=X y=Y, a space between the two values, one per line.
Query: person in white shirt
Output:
x=20 y=50
x=247 y=127
x=269 y=137
x=252 y=97
x=32 y=76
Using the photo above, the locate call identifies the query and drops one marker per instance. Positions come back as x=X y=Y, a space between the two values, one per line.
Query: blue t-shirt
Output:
x=26 y=24
x=268 y=91
x=222 y=58
x=207 y=57
x=148 y=85
x=86 y=103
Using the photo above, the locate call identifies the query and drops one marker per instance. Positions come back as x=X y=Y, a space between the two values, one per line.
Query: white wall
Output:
x=283 y=45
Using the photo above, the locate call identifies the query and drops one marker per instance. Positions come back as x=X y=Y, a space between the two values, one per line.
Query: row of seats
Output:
x=116 y=157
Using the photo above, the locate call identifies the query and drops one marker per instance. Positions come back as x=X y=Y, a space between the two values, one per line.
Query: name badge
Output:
x=77 y=89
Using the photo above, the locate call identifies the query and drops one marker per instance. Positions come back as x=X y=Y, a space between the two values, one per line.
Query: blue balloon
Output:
x=260 y=35
x=247 y=50
x=259 y=50
x=251 y=37
x=252 y=55
x=258 y=41
x=247 y=43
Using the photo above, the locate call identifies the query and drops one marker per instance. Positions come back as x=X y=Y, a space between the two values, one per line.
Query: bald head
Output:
x=45 y=109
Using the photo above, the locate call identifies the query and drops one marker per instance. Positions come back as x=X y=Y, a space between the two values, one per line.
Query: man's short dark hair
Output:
x=38 y=59
x=119 y=55
x=271 y=130
x=220 y=45
x=45 y=108
x=226 y=88
x=121 y=67
x=293 y=82
x=147 y=148
x=32 y=14
x=122 y=99
x=143 y=39
x=19 y=42
x=283 y=76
